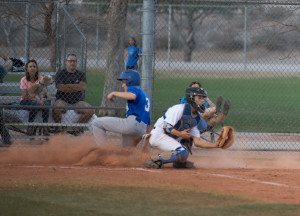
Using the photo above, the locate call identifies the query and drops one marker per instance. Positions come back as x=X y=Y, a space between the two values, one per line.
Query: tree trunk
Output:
x=187 y=31
x=6 y=26
x=50 y=30
x=189 y=44
x=186 y=34
x=115 y=55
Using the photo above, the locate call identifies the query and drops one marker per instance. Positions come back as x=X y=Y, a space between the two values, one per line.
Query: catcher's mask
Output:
x=18 y=64
x=132 y=77
x=189 y=96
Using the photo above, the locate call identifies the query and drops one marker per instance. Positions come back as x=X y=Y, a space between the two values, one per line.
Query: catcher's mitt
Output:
x=226 y=139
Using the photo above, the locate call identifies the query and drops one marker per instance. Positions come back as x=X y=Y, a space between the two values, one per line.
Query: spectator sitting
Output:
x=71 y=84
x=3 y=70
x=31 y=78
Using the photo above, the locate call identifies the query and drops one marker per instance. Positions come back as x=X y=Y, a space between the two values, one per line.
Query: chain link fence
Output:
x=245 y=52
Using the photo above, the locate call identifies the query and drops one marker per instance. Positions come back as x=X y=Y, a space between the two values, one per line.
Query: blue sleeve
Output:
x=133 y=90
x=183 y=100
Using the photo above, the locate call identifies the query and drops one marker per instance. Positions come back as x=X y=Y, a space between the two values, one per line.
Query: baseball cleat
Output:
x=226 y=107
x=153 y=164
x=180 y=165
x=218 y=104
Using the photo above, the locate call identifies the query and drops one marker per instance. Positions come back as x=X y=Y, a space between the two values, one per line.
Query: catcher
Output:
x=176 y=131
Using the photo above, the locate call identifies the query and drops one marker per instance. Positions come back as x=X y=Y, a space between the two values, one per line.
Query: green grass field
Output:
x=120 y=200
x=258 y=104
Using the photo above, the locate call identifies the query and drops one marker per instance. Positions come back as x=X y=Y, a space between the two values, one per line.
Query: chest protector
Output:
x=186 y=121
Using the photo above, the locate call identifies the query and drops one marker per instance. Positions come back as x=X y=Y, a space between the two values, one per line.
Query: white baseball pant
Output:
x=129 y=127
x=163 y=141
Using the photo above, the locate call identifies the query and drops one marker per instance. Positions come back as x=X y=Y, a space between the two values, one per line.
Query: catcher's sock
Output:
x=218 y=104
x=226 y=107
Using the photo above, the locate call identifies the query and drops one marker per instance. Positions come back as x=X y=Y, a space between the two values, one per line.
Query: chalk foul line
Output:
x=254 y=180
x=100 y=168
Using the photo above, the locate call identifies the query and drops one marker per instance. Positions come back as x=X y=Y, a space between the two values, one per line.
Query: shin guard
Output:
x=179 y=154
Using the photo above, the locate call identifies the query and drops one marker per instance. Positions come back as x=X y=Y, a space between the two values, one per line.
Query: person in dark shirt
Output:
x=71 y=85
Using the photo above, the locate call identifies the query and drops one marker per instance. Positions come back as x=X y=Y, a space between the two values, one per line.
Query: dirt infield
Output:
x=272 y=177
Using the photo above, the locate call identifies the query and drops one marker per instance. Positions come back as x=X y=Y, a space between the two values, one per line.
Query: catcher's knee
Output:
x=180 y=154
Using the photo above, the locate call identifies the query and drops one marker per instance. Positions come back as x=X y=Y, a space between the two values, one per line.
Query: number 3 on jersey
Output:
x=147 y=106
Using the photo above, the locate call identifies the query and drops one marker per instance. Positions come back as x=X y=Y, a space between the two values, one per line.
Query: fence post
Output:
x=83 y=44
x=27 y=32
x=97 y=34
x=169 y=35
x=245 y=37
x=147 y=41
x=58 y=37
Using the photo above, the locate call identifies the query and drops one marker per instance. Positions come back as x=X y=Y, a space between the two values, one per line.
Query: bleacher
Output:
x=10 y=94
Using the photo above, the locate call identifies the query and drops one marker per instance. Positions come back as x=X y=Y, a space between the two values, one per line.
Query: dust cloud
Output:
x=82 y=151
x=70 y=150
x=228 y=159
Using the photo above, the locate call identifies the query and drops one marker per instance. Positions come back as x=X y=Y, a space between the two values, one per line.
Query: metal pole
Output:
x=64 y=41
x=97 y=34
x=180 y=28
x=83 y=39
x=245 y=37
x=58 y=37
x=83 y=54
x=147 y=41
x=27 y=33
x=169 y=35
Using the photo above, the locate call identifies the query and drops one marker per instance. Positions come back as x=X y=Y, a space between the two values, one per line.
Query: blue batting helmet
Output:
x=133 y=77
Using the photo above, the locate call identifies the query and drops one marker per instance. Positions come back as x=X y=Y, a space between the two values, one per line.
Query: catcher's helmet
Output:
x=133 y=77
x=189 y=96
x=18 y=64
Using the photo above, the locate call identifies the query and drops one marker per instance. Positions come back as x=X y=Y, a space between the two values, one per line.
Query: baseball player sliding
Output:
x=176 y=131
x=137 y=121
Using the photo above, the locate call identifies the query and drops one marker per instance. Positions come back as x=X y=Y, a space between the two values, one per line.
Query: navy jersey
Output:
x=141 y=106
x=64 y=77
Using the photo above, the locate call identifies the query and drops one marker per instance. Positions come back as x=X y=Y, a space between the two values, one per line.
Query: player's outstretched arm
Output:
x=125 y=95
x=202 y=144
